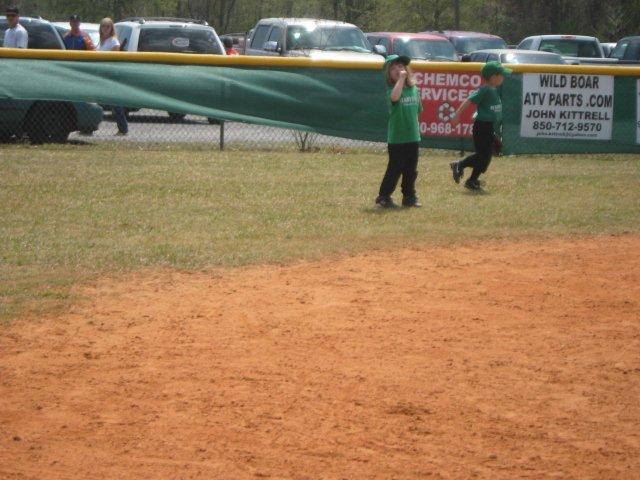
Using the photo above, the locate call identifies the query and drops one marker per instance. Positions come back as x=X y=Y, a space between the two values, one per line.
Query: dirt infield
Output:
x=495 y=360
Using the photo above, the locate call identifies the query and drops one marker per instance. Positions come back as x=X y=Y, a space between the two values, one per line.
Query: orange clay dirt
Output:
x=496 y=360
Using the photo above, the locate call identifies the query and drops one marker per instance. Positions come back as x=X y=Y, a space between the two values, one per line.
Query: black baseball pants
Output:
x=403 y=161
x=483 y=143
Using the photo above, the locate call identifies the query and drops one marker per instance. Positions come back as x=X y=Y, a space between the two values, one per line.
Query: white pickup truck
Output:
x=574 y=48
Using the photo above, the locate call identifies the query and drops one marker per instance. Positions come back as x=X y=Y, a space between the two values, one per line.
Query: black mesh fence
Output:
x=58 y=122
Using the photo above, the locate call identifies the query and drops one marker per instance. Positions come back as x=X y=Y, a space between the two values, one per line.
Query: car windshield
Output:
x=41 y=35
x=424 y=49
x=531 y=58
x=571 y=47
x=307 y=37
x=468 y=45
x=620 y=49
x=178 y=40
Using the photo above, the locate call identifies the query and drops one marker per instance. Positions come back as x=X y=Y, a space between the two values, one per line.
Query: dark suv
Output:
x=44 y=121
x=42 y=35
x=627 y=50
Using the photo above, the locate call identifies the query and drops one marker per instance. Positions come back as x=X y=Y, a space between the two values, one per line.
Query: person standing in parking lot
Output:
x=15 y=36
x=403 y=135
x=109 y=43
x=228 y=46
x=76 y=39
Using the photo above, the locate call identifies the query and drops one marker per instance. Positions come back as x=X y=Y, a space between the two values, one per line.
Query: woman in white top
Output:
x=109 y=43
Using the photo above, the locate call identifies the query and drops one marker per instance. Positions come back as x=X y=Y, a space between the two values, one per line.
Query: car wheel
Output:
x=177 y=117
x=50 y=122
x=5 y=136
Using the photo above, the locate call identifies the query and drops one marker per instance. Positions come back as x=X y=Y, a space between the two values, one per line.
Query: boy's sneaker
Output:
x=456 y=171
x=411 y=202
x=385 y=202
x=472 y=184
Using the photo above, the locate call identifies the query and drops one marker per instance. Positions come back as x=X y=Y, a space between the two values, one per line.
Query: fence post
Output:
x=221 y=135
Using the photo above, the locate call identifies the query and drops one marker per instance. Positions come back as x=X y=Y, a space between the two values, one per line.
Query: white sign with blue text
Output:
x=577 y=107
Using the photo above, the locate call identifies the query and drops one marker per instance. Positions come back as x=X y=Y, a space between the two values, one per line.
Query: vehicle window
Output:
x=306 y=37
x=260 y=36
x=531 y=58
x=41 y=36
x=468 y=45
x=424 y=49
x=275 y=35
x=178 y=40
x=94 y=34
x=619 y=50
x=526 y=44
x=571 y=48
x=123 y=32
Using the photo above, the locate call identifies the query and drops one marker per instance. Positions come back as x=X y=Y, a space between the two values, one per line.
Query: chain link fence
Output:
x=57 y=122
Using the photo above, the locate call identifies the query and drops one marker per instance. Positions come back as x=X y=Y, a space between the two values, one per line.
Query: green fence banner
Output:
x=547 y=109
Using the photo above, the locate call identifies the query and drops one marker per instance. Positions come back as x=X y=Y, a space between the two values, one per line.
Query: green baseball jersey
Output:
x=403 y=116
x=489 y=104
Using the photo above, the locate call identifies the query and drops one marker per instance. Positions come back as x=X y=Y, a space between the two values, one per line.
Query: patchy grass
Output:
x=71 y=212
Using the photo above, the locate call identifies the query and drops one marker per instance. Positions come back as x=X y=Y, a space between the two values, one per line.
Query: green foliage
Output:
x=511 y=19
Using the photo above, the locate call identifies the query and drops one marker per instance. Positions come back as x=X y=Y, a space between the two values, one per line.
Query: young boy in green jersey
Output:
x=486 y=125
x=403 y=135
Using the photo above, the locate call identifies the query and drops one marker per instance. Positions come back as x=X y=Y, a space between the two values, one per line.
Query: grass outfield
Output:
x=69 y=213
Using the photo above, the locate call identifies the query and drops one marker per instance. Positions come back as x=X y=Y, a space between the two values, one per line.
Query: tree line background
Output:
x=511 y=19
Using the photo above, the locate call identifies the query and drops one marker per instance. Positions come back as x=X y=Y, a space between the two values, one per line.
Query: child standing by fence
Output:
x=485 y=126
x=403 y=136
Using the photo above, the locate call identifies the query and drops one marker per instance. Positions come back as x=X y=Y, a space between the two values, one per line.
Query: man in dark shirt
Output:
x=76 y=39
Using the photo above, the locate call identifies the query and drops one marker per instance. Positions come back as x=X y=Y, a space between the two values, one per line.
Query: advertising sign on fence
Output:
x=442 y=93
x=577 y=107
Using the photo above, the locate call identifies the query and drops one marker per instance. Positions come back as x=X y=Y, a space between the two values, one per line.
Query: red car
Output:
x=419 y=46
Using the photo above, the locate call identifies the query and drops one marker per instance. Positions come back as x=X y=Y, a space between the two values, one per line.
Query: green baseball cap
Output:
x=396 y=58
x=494 y=68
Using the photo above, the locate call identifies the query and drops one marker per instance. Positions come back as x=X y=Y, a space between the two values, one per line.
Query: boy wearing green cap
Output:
x=486 y=125
x=403 y=134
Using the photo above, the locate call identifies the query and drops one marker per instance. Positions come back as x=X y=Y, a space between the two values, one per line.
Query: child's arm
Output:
x=455 y=119
x=396 y=93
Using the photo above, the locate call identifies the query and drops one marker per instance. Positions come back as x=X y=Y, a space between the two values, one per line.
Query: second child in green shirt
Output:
x=486 y=125
x=403 y=134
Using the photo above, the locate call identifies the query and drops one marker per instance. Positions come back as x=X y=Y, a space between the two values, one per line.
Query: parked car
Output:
x=514 y=57
x=171 y=35
x=627 y=50
x=607 y=48
x=91 y=29
x=576 y=46
x=420 y=46
x=42 y=34
x=296 y=37
x=467 y=42
x=47 y=121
